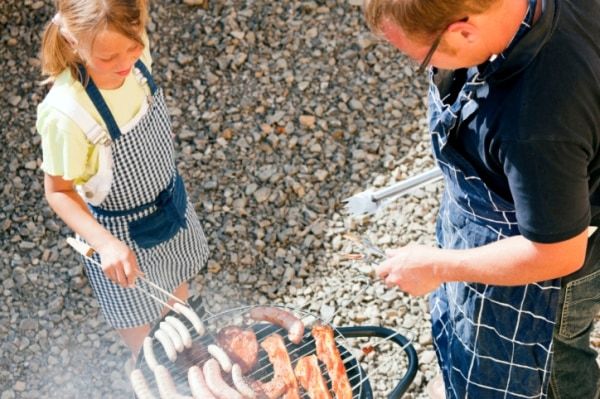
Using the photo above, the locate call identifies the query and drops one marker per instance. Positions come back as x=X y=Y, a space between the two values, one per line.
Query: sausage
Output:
x=140 y=387
x=149 y=354
x=191 y=316
x=198 y=384
x=240 y=384
x=167 y=344
x=215 y=382
x=164 y=382
x=221 y=357
x=282 y=318
x=173 y=334
x=186 y=338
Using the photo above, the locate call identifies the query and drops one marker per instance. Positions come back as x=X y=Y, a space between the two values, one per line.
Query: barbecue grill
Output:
x=263 y=371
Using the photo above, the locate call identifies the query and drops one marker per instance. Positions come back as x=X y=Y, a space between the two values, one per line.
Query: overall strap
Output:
x=67 y=105
x=96 y=97
x=147 y=75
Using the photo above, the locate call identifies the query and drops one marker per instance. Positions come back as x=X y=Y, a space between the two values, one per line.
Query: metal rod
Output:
x=171 y=296
x=407 y=185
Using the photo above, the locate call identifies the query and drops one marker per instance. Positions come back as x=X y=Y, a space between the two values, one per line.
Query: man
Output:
x=514 y=107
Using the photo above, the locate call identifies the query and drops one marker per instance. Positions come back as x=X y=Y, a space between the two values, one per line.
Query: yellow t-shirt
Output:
x=65 y=149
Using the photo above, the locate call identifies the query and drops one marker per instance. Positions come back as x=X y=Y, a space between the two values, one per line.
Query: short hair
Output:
x=421 y=18
x=83 y=20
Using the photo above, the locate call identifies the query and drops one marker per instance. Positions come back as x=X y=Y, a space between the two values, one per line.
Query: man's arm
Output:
x=419 y=269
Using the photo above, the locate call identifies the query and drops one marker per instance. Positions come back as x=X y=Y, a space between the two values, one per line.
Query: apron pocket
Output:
x=153 y=229
x=165 y=222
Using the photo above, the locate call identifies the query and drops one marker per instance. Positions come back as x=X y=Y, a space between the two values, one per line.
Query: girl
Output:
x=108 y=160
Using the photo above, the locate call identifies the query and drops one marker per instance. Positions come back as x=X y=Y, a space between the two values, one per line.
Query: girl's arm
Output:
x=118 y=260
x=419 y=269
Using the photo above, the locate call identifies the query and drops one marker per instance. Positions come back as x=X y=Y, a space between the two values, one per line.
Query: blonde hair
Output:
x=421 y=19
x=79 y=21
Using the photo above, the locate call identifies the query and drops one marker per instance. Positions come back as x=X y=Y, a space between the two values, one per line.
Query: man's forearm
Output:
x=512 y=261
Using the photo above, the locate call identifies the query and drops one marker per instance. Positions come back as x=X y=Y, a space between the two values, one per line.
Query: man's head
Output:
x=453 y=33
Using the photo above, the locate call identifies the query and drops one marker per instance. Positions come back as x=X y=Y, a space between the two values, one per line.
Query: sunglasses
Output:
x=434 y=46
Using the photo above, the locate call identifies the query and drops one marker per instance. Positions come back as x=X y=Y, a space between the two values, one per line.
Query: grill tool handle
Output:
x=408 y=184
x=400 y=340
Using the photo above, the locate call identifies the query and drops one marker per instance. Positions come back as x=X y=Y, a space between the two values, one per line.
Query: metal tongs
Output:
x=368 y=202
x=367 y=250
x=87 y=251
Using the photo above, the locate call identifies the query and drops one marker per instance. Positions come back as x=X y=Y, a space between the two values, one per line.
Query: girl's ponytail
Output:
x=56 y=53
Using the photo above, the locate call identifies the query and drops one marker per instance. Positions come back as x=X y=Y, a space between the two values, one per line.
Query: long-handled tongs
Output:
x=87 y=251
x=369 y=201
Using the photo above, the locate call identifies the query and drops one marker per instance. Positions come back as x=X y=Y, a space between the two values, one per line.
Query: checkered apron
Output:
x=491 y=341
x=144 y=172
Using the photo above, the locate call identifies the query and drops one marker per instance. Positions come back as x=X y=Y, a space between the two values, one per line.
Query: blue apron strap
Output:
x=98 y=101
x=140 y=65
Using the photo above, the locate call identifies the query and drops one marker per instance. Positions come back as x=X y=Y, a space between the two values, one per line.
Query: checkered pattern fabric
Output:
x=144 y=166
x=491 y=341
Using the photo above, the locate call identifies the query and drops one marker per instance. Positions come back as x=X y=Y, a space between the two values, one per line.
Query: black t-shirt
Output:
x=535 y=139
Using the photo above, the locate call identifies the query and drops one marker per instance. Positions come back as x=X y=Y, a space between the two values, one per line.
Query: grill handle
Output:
x=400 y=340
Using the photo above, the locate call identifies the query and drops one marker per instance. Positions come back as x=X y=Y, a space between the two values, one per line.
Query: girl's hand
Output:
x=119 y=263
x=411 y=268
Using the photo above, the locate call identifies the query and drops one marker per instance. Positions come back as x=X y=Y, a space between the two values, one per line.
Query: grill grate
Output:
x=263 y=370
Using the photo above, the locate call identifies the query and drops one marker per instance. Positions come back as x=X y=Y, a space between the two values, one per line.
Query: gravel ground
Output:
x=281 y=110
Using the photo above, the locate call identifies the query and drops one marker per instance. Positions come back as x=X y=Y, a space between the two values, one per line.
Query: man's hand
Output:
x=119 y=263
x=411 y=268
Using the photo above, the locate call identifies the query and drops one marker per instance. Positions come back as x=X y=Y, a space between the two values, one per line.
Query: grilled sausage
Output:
x=240 y=384
x=282 y=318
x=167 y=344
x=186 y=338
x=173 y=334
x=198 y=384
x=140 y=387
x=165 y=384
x=149 y=354
x=191 y=316
x=220 y=355
x=215 y=382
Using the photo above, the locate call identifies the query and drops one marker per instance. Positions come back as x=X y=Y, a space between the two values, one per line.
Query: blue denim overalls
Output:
x=491 y=341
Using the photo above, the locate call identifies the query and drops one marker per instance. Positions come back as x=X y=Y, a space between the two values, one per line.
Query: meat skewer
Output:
x=310 y=377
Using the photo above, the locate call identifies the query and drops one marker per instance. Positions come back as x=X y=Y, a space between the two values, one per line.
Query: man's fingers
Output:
x=383 y=269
